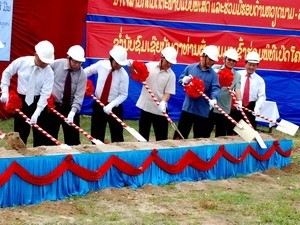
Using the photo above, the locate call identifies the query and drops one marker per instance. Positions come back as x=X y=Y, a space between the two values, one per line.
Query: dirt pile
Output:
x=16 y=149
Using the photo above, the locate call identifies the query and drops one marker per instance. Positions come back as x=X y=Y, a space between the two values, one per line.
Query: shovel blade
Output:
x=260 y=141
x=245 y=131
x=135 y=134
x=97 y=142
x=287 y=127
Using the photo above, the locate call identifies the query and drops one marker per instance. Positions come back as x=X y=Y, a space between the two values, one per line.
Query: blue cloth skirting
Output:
x=31 y=180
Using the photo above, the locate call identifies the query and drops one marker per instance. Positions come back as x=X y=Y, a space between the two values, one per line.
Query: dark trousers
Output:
x=187 y=121
x=100 y=119
x=51 y=123
x=237 y=116
x=20 y=124
x=160 y=125
x=220 y=122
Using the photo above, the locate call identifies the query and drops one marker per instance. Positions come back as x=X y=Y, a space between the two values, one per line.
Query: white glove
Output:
x=187 y=79
x=212 y=103
x=35 y=115
x=70 y=117
x=4 y=97
x=129 y=62
x=256 y=110
x=238 y=105
x=162 y=106
x=108 y=108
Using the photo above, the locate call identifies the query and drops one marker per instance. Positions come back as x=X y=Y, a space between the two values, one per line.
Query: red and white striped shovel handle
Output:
x=232 y=93
x=220 y=109
x=111 y=113
x=57 y=142
x=76 y=127
x=164 y=113
x=261 y=116
x=131 y=130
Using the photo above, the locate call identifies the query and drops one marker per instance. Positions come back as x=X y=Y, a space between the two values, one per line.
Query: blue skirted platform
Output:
x=31 y=180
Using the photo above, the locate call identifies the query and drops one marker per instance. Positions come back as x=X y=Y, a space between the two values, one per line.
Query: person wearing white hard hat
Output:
x=195 y=111
x=68 y=93
x=162 y=82
x=35 y=82
x=225 y=101
x=256 y=89
x=112 y=90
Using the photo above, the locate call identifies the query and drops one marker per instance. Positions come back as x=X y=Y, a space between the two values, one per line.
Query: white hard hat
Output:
x=119 y=54
x=45 y=51
x=231 y=54
x=252 y=57
x=170 y=54
x=212 y=52
x=76 y=52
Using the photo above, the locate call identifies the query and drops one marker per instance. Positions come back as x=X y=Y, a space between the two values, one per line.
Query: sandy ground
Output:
x=16 y=149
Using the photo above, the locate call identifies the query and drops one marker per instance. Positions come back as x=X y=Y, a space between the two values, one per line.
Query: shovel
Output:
x=131 y=130
x=257 y=136
x=173 y=125
x=245 y=131
x=57 y=142
x=283 y=126
x=248 y=133
x=287 y=127
x=242 y=128
x=92 y=139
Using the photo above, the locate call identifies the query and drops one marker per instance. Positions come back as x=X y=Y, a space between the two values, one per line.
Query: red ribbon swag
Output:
x=189 y=159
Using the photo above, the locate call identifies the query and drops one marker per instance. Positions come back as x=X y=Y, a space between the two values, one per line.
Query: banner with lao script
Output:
x=145 y=27
x=262 y=13
x=6 y=10
x=277 y=52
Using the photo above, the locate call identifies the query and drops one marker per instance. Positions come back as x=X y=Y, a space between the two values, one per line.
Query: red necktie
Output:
x=106 y=89
x=67 y=90
x=246 y=91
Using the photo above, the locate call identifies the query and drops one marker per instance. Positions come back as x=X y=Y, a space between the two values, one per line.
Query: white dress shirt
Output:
x=24 y=66
x=257 y=88
x=119 y=85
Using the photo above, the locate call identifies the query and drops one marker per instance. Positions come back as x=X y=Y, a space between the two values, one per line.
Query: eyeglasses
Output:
x=231 y=60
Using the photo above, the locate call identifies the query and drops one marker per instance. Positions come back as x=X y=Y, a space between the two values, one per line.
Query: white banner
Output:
x=6 y=10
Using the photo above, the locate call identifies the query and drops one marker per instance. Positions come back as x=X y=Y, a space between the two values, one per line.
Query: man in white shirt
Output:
x=35 y=83
x=162 y=82
x=256 y=96
x=115 y=94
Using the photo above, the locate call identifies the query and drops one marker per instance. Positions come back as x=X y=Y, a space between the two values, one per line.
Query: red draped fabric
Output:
x=188 y=159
